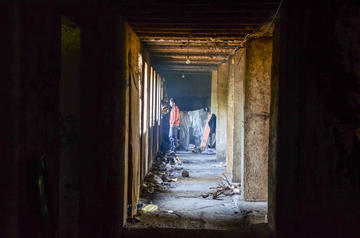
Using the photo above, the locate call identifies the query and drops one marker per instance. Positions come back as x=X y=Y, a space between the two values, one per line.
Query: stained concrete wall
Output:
x=315 y=122
x=222 y=105
x=257 y=108
x=230 y=116
x=133 y=51
x=214 y=92
x=238 y=133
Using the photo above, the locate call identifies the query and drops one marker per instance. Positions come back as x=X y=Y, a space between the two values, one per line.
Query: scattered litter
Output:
x=173 y=180
x=185 y=173
x=149 y=208
x=178 y=161
x=225 y=188
x=170 y=211
x=205 y=195
x=160 y=176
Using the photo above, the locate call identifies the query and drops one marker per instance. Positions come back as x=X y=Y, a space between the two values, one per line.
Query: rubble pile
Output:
x=224 y=188
x=161 y=174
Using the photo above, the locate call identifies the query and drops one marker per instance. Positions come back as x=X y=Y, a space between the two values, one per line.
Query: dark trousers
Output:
x=173 y=137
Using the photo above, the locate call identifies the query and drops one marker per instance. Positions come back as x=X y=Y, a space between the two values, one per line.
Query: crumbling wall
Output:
x=257 y=109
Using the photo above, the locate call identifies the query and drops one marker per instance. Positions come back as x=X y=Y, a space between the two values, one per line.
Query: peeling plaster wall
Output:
x=257 y=109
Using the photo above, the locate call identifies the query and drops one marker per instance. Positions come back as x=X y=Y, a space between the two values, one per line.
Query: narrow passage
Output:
x=183 y=206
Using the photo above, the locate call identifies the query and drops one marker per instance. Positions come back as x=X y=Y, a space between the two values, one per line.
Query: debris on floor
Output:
x=160 y=176
x=149 y=208
x=225 y=188
x=185 y=173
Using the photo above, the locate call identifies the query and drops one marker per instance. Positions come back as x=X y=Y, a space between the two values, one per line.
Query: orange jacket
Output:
x=175 y=116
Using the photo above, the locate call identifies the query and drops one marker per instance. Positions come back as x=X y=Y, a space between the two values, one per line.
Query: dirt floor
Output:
x=183 y=207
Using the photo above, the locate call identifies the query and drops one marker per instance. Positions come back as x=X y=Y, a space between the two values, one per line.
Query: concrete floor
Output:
x=183 y=207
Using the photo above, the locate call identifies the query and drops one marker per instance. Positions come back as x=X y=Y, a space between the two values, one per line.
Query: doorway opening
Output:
x=224 y=183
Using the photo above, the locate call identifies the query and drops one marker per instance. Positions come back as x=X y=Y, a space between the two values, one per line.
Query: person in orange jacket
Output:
x=174 y=124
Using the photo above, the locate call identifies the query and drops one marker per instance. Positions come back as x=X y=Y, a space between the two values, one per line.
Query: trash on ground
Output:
x=160 y=176
x=185 y=173
x=225 y=188
x=177 y=159
x=149 y=208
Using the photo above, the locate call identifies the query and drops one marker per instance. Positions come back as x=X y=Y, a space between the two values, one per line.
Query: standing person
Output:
x=174 y=124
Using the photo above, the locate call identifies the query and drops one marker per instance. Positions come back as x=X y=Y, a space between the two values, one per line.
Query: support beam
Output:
x=221 y=119
x=214 y=75
x=230 y=117
x=238 y=134
x=104 y=126
x=257 y=108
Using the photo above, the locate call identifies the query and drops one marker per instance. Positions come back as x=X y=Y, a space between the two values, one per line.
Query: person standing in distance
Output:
x=174 y=124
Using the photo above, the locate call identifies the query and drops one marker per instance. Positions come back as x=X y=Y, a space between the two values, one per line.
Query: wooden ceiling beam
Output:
x=140 y=31
x=194 y=20
x=198 y=6
x=195 y=27
x=188 y=69
x=193 y=58
x=191 y=54
x=231 y=35
x=209 y=38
